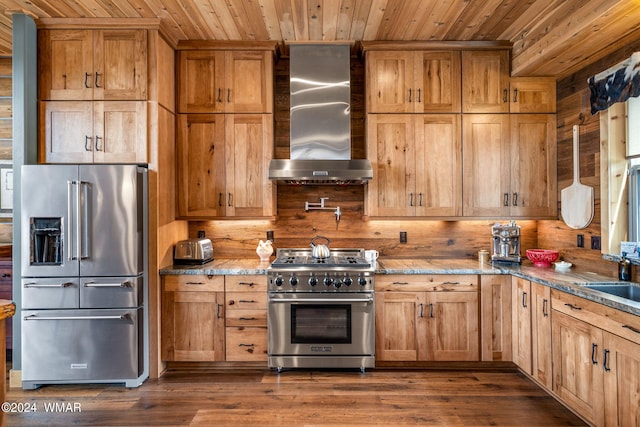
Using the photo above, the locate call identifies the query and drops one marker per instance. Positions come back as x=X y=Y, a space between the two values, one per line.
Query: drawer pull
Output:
x=249 y=284
x=400 y=283
x=246 y=345
x=450 y=283
x=573 y=307
x=631 y=328
x=246 y=318
x=248 y=301
x=6 y=275
x=194 y=283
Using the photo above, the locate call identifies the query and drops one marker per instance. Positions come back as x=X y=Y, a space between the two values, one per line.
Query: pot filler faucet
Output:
x=311 y=206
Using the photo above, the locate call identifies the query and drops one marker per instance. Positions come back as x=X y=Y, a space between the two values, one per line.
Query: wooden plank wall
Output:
x=294 y=227
x=574 y=108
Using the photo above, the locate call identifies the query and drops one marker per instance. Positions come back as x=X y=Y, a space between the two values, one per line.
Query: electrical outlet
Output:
x=403 y=237
x=270 y=235
x=595 y=242
x=580 y=241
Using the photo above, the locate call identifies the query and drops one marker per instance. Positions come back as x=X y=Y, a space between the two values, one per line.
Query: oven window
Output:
x=326 y=324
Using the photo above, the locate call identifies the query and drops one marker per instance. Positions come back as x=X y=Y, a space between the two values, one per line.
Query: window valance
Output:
x=616 y=84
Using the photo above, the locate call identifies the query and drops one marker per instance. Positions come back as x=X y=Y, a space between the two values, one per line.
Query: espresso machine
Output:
x=506 y=243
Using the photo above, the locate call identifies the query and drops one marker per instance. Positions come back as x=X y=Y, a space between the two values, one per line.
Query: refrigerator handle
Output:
x=71 y=254
x=84 y=219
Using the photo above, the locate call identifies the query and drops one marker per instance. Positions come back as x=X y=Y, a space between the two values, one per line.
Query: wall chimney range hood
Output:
x=320 y=121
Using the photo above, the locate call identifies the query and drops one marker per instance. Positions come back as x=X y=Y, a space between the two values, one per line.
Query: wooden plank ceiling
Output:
x=549 y=37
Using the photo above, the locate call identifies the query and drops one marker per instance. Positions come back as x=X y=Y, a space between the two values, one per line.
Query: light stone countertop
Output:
x=569 y=282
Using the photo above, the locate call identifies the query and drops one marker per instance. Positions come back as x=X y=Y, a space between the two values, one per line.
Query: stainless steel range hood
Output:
x=320 y=135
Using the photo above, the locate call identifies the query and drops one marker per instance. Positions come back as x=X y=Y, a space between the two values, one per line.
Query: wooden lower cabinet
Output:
x=246 y=318
x=596 y=369
x=193 y=318
x=495 y=318
x=427 y=318
x=521 y=323
x=541 y=334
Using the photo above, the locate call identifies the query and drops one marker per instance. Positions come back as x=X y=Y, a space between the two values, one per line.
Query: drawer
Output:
x=246 y=318
x=427 y=282
x=246 y=283
x=246 y=300
x=246 y=344
x=193 y=283
x=617 y=322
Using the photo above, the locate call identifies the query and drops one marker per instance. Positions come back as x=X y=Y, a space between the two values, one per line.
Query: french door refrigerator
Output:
x=84 y=280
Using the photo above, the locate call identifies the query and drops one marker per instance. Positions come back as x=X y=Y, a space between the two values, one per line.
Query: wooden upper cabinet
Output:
x=485 y=81
x=217 y=81
x=92 y=64
x=403 y=149
x=532 y=95
x=413 y=81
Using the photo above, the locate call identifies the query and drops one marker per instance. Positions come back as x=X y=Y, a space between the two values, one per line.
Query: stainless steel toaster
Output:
x=193 y=251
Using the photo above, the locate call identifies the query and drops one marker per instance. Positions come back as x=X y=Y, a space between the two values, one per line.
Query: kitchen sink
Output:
x=625 y=290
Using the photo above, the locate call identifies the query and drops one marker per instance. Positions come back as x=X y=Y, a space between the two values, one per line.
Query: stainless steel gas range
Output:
x=321 y=310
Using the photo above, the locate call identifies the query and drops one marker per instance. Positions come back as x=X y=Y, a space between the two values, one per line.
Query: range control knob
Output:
x=293 y=281
x=313 y=280
x=327 y=280
x=278 y=281
x=347 y=281
x=362 y=281
x=337 y=284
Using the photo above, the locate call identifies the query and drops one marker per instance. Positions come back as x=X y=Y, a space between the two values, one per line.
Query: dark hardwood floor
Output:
x=210 y=397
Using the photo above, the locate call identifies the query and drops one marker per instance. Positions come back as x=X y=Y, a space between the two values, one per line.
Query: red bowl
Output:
x=542 y=257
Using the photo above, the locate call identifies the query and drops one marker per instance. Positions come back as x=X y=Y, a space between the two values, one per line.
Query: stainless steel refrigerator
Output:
x=84 y=274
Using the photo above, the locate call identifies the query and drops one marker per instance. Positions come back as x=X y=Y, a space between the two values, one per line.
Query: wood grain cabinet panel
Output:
x=541 y=359
x=223 y=161
x=92 y=64
x=532 y=95
x=246 y=322
x=495 y=317
x=521 y=328
x=485 y=81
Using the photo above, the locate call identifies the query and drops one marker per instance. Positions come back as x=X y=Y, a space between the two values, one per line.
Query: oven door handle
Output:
x=323 y=300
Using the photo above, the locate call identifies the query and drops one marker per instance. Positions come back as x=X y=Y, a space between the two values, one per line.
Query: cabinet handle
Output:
x=515 y=95
x=545 y=311
x=229 y=199
x=573 y=307
x=450 y=283
x=219 y=311
x=219 y=95
x=505 y=96
x=400 y=283
x=421 y=311
x=515 y=199
x=220 y=199
x=506 y=199
x=87 y=143
x=194 y=283
x=419 y=95
x=524 y=299
x=420 y=198
x=606 y=360
x=228 y=95
x=96 y=82
x=64 y=77
x=431 y=311
x=246 y=318
x=98 y=138
x=631 y=328
x=249 y=284
x=594 y=348
x=86 y=80
x=409 y=94
x=410 y=199
x=249 y=301
x=246 y=345
x=6 y=275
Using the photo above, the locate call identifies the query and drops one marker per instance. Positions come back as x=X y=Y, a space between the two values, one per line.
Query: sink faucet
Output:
x=314 y=206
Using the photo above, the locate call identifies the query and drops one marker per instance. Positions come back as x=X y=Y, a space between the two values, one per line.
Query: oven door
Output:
x=322 y=324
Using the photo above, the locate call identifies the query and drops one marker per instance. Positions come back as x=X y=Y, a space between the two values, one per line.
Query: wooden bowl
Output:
x=542 y=257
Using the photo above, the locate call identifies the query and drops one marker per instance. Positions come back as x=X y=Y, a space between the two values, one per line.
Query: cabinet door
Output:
x=521 y=328
x=400 y=327
x=486 y=159
x=390 y=81
x=249 y=139
x=485 y=81
x=437 y=77
x=621 y=381
x=201 y=165
x=453 y=333
x=65 y=64
x=120 y=132
x=120 y=65
x=201 y=81
x=495 y=318
x=533 y=165
x=66 y=135
x=577 y=366
x=438 y=165
x=193 y=326
x=532 y=95
x=249 y=82
x=390 y=141
x=541 y=334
